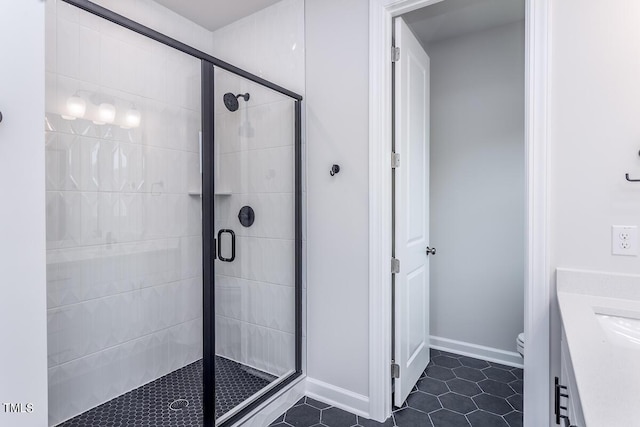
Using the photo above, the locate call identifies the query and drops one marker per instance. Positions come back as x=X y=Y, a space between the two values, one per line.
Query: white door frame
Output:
x=537 y=385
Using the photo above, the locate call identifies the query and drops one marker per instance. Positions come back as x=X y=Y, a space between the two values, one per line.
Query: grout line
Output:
x=256 y=324
x=249 y=280
x=123 y=343
x=131 y=291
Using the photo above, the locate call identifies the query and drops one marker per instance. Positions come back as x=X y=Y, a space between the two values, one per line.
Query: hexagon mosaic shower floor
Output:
x=454 y=391
x=149 y=405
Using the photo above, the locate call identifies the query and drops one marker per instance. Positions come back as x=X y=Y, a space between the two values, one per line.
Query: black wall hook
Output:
x=626 y=175
x=334 y=170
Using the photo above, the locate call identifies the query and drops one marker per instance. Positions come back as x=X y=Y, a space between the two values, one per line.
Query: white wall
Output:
x=477 y=188
x=594 y=131
x=23 y=358
x=337 y=132
x=594 y=137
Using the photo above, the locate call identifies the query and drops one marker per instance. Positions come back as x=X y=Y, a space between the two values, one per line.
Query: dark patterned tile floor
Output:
x=454 y=391
x=235 y=383
x=149 y=405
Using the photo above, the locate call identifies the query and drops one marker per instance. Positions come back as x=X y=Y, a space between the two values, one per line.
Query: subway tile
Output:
x=193 y=175
x=271 y=170
x=155 y=214
x=131 y=166
x=89 y=54
x=156 y=162
x=110 y=48
x=130 y=219
x=51 y=92
x=154 y=124
x=80 y=384
x=67 y=46
x=50 y=38
x=191 y=248
x=71 y=332
x=89 y=219
x=177 y=172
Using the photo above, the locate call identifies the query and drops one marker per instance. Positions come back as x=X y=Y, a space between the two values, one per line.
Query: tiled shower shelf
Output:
x=223 y=193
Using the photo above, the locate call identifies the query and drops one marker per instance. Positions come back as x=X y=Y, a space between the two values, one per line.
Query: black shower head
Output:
x=231 y=100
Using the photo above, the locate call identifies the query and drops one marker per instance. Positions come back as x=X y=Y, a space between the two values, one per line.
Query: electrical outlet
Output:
x=624 y=240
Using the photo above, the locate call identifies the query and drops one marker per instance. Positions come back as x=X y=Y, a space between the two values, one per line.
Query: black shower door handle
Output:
x=233 y=245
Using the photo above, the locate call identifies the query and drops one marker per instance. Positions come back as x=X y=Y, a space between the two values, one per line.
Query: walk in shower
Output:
x=173 y=228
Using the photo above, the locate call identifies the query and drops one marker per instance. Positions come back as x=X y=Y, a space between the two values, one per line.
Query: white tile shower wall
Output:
x=162 y=19
x=255 y=294
x=269 y=43
x=124 y=286
x=255 y=298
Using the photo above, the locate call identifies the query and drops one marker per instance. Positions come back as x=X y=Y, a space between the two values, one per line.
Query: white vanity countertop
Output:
x=607 y=371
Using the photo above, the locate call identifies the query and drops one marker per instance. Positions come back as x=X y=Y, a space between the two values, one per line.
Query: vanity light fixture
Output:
x=106 y=113
x=76 y=107
x=132 y=118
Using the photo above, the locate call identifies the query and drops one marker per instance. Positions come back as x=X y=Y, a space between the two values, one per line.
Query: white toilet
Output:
x=520 y=344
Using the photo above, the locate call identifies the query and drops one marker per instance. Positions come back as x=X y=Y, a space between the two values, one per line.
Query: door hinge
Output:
x=395 y=370
x=395 y=54
x=395 y=266
x=395 y=160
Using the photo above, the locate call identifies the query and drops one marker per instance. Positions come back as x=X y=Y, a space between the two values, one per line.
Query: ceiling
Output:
x=452 y=18
x=215 y=14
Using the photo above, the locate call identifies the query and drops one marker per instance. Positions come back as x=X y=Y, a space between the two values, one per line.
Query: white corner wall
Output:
x=23 y=358
x=337 y=132
x=477 y=191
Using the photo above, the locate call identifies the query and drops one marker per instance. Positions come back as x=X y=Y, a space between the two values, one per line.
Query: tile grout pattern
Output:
x=149 y=405
x=235 y=383
x=454 y=391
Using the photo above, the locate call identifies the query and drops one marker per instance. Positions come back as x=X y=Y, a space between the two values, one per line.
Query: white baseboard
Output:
x=509 y=358
x=338 y=397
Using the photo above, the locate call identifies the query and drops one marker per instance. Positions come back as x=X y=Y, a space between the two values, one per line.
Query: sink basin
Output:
x=621 y=327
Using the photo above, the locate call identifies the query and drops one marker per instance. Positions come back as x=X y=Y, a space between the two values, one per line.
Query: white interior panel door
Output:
x=411 y=211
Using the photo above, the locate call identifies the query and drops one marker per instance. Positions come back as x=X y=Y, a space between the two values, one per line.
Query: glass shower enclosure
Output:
x=173 y=228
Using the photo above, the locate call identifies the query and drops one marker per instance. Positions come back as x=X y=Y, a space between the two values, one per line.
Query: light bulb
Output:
x=132 y=118
x=106 y=114
x=76 y=107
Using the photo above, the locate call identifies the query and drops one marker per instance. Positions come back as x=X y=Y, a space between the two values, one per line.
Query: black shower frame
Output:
x=208 y=64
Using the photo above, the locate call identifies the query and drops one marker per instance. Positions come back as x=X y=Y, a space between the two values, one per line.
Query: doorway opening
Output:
x=458 y=212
